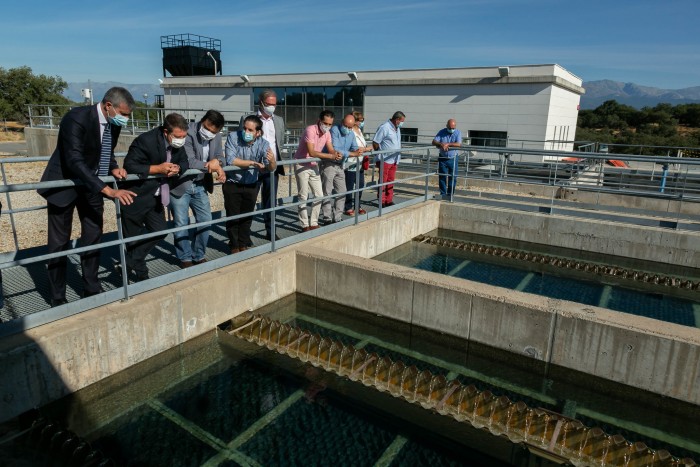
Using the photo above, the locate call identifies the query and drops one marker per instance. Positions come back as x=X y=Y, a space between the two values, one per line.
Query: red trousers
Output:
x=389 y=175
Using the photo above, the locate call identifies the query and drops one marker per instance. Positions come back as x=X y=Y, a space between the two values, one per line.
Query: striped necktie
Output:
x=164 y=187
x=105 y=151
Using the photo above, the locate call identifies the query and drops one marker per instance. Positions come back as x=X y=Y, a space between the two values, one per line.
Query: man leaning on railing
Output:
x=85 y=151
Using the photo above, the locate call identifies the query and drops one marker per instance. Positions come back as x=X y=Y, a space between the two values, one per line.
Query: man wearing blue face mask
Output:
x=388 y=138
x=247 y=149
x=448 y=139
x=84 y=151
x=332 y=173
x=204 y=152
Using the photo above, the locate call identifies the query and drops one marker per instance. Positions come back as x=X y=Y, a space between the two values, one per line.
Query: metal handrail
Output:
x=70 y=308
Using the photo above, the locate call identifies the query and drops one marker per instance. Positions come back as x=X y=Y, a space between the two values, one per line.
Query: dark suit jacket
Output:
x=147 y=150
x=77 y=156
x=278 y=122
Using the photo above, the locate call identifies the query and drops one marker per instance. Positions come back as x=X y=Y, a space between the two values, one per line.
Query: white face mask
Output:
x=269 y=109
x=177 y=142
x=324 y=128
x=206 y=134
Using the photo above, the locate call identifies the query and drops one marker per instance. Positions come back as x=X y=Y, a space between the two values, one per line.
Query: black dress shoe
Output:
x=58 y=302
x=90 y=294
x=141 y=276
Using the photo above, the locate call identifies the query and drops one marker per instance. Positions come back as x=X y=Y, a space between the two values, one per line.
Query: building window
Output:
x=488 y=138
x=300 y=105
x=409 y=135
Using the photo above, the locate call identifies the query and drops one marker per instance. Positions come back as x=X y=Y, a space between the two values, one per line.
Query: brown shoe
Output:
x=203 y=260
x=313 y=227
x=362 y=211
x=186 y=264
x=350 y=212
x=235 y=250
x=305 y=229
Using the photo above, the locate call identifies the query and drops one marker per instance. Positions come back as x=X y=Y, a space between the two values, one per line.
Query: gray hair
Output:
x=265 y=93
x=118 y=96
x=398 y=114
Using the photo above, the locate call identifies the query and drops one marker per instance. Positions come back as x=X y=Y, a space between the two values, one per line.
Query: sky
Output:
x=647 y=42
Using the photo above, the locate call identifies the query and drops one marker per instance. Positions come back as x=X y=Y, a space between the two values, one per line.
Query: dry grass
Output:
x=12 y=133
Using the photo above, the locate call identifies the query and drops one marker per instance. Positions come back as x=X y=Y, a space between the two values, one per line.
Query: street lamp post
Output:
x=148 y=119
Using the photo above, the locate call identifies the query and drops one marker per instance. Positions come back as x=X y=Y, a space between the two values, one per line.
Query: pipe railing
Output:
x=493 y=163
x=71 y=308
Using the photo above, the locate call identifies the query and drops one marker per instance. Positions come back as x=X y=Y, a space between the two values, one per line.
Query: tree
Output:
x=19 y=87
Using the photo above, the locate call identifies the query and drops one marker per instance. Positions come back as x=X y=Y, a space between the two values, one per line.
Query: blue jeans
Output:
x=191 y=245
x=447 y=168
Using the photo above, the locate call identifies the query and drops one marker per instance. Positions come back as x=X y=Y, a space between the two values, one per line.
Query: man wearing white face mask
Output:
x=273 y=131
x=157 y=152
x=312 y=143
x=204 y=152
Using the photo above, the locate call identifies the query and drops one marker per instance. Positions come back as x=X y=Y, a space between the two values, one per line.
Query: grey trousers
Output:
x=333 y=181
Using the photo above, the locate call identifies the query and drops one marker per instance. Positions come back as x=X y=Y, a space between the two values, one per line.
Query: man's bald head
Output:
x=451 y=124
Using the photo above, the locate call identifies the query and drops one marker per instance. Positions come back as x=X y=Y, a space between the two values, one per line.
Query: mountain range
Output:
x=635 y=95
x=597 y=92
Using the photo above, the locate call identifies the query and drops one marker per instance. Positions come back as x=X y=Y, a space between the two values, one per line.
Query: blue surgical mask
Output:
x=118 y=119
x=450 y=130
x=399 y=125
x=362 y=125
x=247 y=137
x=345 y=130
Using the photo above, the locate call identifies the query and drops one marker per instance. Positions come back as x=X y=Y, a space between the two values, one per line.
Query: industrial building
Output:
x=531 y=106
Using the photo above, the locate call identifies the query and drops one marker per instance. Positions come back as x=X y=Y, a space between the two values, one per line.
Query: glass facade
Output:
x=300 y=106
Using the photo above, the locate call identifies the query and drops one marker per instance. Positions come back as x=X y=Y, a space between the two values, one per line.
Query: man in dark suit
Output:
x=204 y=152
x=273 y=132
x=80 y=154
x=157 y=152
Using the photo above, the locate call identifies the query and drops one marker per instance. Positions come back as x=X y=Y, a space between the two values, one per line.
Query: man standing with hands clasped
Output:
x=87 y=137
x=316 y=138
x=448 y=140
x=273 y=132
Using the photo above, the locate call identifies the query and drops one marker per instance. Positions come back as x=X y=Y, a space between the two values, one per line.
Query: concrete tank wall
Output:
x=608 y=238
x=42 y=141
x=51 y=361
x=645 y=353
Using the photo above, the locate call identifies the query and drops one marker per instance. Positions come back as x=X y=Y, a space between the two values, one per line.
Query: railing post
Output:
x=427 y=173
x=554 y=184
x=381 y=187
x=663 y=178
x=358 y=194
x=273 y=214
x=122 y=245
x=50 y=118
x=31 y=122
x=9 y=206
x=466 y=173
x=453 y=179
